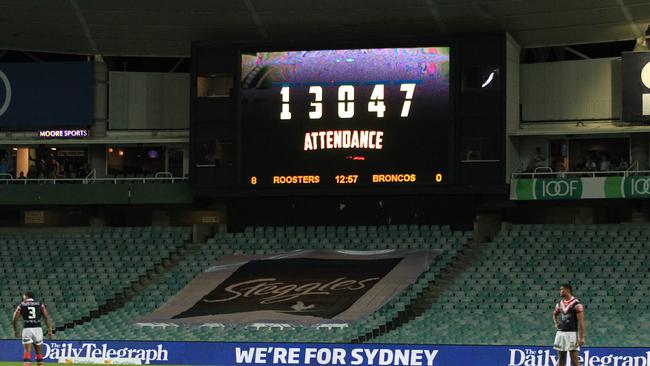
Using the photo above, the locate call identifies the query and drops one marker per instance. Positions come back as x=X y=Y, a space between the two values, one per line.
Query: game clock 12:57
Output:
x=347 y=117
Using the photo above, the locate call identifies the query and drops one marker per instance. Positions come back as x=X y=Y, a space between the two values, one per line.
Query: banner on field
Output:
x=301 y=354
x=43 y=95
x=580 y=188
x=302 y=287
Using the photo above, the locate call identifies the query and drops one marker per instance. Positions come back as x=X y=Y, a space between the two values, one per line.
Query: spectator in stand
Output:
x=4 y=166
x=590 y=165
x=538 y=160
x=60 y=171
x=561 y=169
x=83 y=171
x=604 y=163
x=10 y=166
x=22 y=175
x=72 y=171
x=623 y=164
x=39 y=168
x=48 y=167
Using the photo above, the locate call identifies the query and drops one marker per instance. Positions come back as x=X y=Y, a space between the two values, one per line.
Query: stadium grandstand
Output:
x=248 y=182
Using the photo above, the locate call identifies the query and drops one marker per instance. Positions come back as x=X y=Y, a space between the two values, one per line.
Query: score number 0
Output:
x=345 y=95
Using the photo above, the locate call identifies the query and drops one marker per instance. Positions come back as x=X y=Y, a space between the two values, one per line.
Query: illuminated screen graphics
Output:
x=360 y=117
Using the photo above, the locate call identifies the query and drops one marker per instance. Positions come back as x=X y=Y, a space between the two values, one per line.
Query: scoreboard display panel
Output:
x=345 y=117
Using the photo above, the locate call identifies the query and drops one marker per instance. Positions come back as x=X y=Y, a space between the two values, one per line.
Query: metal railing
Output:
x=589 y=174
x=92 y=179
x=164 y=175
x=634 y=166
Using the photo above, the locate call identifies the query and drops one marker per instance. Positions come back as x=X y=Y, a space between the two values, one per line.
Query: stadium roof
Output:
x=166 y=27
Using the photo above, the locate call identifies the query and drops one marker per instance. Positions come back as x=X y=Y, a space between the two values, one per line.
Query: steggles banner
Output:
x=302 y=287
x=580 y=188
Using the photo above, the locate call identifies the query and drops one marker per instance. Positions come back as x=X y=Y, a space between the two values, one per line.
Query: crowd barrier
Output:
x=271 y=354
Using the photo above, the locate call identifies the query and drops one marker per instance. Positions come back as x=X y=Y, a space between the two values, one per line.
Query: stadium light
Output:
x=642 y=41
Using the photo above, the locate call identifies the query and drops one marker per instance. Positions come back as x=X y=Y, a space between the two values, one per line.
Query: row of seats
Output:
x=118 y=324
x=507 y=295
x=74 y=272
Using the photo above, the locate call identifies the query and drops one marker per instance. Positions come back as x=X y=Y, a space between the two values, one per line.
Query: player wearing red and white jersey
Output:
x=31 y=311
x=570 y=326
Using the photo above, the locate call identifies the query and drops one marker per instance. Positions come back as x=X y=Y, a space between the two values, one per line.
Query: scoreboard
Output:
x=345 y=117
x=351 y=117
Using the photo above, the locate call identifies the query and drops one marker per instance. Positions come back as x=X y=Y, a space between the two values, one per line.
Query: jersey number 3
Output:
x=32 y=313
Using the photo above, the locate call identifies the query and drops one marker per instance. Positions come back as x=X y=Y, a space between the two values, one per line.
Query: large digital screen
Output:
x=46 y=95
x=346 y=117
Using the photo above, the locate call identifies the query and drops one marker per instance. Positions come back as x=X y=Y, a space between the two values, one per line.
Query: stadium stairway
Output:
x=429 y=295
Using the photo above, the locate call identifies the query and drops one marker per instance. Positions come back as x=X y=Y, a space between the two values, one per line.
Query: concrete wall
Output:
x=148 y=100
x=96 y=194
x=571 y=90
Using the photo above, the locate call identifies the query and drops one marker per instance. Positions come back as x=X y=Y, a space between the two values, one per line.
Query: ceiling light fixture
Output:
x=642 y=41
x=489 y=80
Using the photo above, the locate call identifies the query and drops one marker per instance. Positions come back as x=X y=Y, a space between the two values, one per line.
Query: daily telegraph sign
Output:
x=302 y=354
x=580 y=188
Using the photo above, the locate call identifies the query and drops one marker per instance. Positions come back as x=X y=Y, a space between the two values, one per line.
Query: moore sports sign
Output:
x=580 y=188
x=304 y=354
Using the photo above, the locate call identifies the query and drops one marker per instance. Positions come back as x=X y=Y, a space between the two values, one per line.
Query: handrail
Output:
x=92 y=175
x=164 y=174
x=519 y=167
x=591 y=174
x=543 y=169
x=85 y=181
x=633 y=167
x=7 y=175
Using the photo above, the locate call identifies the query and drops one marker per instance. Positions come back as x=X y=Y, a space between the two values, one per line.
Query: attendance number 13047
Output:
x=346 y=101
